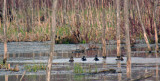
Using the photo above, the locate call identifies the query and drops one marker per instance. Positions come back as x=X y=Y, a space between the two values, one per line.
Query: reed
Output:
x=34 y=68
x=78 y=68
x=80 y=19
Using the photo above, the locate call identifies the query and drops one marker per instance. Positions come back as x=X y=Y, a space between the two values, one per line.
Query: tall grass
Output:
x=80 y=20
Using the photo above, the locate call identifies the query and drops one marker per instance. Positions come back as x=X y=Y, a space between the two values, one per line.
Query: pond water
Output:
x=31 y=53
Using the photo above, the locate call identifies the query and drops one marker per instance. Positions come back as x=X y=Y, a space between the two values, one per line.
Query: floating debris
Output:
x=16 y=69
x=104 y=71
x=142 y=77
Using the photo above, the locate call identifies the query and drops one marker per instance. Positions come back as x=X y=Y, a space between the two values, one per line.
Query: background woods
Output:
x=112 y=32
x=81 y=20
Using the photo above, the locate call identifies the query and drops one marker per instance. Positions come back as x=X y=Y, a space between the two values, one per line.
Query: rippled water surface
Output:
x=31 y=53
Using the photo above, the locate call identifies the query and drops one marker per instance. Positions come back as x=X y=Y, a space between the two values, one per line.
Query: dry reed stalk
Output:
x=144 y=31
x=23 y=75
x=0 y=24
x=155 y=24
x=118 y=29
x=103 y=34
x=8 y=66
x=82 y=5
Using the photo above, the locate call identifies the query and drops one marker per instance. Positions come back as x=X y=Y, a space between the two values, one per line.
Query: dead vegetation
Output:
x=76 y=22
x=8 y=68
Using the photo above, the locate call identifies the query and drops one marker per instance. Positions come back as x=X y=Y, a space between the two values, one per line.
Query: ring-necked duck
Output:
x=120 y=57
x=71 y=59
x=84 y=58
x=96 y=58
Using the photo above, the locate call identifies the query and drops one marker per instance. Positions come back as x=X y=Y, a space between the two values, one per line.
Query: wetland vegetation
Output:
x=76 y=40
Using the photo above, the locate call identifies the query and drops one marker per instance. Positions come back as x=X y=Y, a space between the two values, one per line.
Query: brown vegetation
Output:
x=31 y=20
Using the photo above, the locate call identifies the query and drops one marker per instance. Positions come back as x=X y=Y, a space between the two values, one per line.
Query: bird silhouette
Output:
x=96 y=58
x=71 y=59
x=84 y=58
x=120 y=57
x=104 y=57
x=4 y=61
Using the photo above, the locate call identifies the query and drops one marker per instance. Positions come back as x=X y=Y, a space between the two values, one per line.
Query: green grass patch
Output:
x=35 y=67
x=78 y=68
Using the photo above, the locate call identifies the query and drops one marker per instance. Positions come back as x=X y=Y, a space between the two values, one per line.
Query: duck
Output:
x=71 y=59
x=120 y=57
x=84 y=58
x=104 y=57
x=4 y=60
x=96 y=58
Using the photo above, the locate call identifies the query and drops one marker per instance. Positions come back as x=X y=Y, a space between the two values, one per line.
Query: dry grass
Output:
x=78 y=21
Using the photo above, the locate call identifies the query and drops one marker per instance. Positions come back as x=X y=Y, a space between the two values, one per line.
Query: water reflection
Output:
x=6 y=77
x=66 y=54
x=105 y=64
x=157 y=68
x=147 y=65
x=157 y=73
x=119 y=70
x=33 y=55
x=128 y=68
x=17 y=78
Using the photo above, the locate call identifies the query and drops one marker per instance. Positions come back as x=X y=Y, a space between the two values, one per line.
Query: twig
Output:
x=23 y=75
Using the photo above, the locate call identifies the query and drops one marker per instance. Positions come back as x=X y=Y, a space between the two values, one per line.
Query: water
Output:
x=31 y=53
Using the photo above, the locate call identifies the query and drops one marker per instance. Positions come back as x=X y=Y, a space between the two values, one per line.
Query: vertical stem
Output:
x=0 y=23
x=45 y=9
x=64 y=12
x=102 y=3
x=155 y=24
x=103 y=34
x=5 y=30
x=38 y=13
x=32 y=13
x=118 y=29
x=126 y=15
x=144 y=31
x=53 y=31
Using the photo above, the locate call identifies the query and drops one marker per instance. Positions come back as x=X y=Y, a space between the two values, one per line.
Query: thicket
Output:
x=78 y=21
